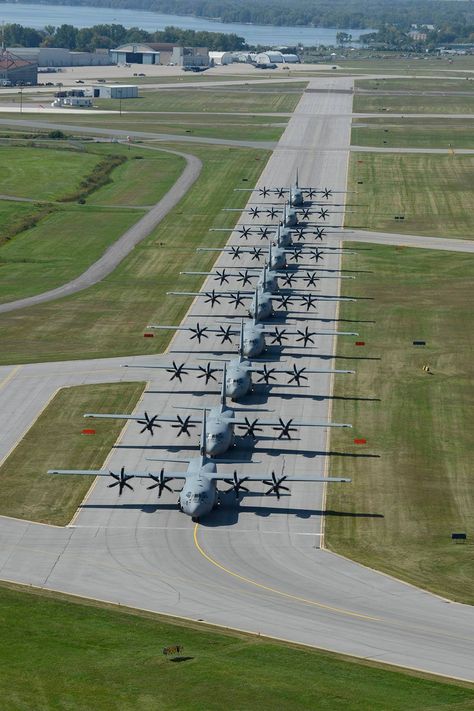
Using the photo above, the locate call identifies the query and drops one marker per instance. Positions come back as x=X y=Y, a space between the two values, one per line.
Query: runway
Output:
x=260 y=566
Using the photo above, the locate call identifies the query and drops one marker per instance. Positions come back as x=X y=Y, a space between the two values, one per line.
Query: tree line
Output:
x=88 y=39
x=339 y=14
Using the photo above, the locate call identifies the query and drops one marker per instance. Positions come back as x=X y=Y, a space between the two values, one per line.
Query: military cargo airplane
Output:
x=239 y=371
x=221 y=423
x=199 y=494
x=295 y=193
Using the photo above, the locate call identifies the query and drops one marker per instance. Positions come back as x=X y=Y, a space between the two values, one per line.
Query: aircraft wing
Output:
x=285 y=427
x=105 y=472
x=142 y=419
x=266 y=477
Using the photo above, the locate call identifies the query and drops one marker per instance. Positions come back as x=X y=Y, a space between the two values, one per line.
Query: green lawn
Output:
x=409 y=104
x=238 y=99
x=43 y=174
x=78 y=655
x=412 y=481
x=54 y=441
x=413 y=133
x=109 y=318
x=412 y=84
x=63 y=244
x=434 y=192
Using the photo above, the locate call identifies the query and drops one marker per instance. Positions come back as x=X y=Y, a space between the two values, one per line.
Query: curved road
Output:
x=124 y=245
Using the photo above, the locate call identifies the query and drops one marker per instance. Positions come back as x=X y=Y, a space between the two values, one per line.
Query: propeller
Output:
x=244 y=232
x=279 y=336
x=311 y=192
x=316 y=254
x=250 y=428
x=236 y=484
x=161 y=482
x=255 y=212
x=148 y=423
x=280 y=192
x=300 y=232
x=285 y=429
x=320 y=232
x=309 y=301
x=266 y=375
x=183 y=426
x=305 y=337
x=296 y=255
x=323 y=213
x=311 y=278
x=272 y=212
x=327 y=192
x=222 y=277
x=276 y=485
x=212 y=298
x=177 y=371
x=264 y=232
x=288 y=279
x=207 y=373
x=296 y=375
x=121 y=480
x=257 y=253
x=285 y=301
x=305 y=214
x=225 y=334
x=264 y=191
x=236 y=299
x=236 y=252
x=244 y=277
x=199 y=332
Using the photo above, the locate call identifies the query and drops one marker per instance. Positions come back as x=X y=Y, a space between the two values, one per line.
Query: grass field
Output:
x=66 y=242
x=434 y=192
x=412 y=482
x=412 y=104
x=413 y=84
x=413 y=133
x=237 y=99
x=78 y=655
x=109 y=318
x=54 y=440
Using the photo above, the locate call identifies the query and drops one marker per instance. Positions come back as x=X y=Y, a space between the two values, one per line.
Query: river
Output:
x=39 y=15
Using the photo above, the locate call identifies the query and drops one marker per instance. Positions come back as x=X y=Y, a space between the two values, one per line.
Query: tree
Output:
x=343 y=38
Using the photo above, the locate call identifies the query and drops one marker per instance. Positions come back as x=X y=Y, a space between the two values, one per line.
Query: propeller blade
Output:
x=264 y=191
x=177 y=371
x=285 y=301
x=225 y=334
x=222 y=277
x=255 y=212
x=199 y=333
x=309 y=301
x=244 y=232
x=257 y=253
x=161 y=481
x=279 y=336
x=183 y=426
x=244 y=278
x=250 y=428
x=236 y=252
x=285 y=429
x=236 y=484
x=236 y=299
x=296 y=375
x=148 y=423
x=305 y=337
x=212 y=298
x=121 y=480
x=276 y=485
x=207 y=373
x=311 y=279
x=264 y=232
x=266 y=375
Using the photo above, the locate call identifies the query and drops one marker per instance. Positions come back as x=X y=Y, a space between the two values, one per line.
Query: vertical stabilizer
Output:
x=241 y=341
x=224 y=385
x=297 y=185
x=202 y=450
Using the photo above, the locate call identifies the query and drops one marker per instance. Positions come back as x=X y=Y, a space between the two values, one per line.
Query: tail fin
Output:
x=255 y=314
x=270 y=255
x=224 y=385
x=202 y=447
x=241 y=341
x=297 y=178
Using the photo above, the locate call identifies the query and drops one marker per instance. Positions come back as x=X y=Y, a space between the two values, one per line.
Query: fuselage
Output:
x=265 y=306
x=291 y=218
x=199 y=494
x=253 y=341
x=283 y=238
x=238 y=379
x=278 y=258
x=296 y=197
x=219 y=431
x=268 y=282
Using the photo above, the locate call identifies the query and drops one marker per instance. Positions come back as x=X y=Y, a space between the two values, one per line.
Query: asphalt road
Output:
x=124 y=245
x=260 y=566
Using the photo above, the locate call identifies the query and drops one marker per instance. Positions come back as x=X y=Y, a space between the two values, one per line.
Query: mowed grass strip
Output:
x=98 y=657
x=66 y=242
x=410 y=104
x=43 y=174
x=433 y=192
x=412 y=481
x=109 y=319
x=412 y=84
x=55 y=441
x=413 y=133
x=237 y=99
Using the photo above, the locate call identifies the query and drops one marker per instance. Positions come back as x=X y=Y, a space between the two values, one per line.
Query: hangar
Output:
x=160 y=53
x=220 y=58
x=114 y=91
x=15 y=70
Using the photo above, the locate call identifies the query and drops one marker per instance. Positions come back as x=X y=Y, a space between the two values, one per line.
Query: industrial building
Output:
x=113 y=91
x=59 y=57
x=16 y=71
x=160 y=53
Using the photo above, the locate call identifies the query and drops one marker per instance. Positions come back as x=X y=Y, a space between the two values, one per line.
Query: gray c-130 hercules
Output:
x=199 y=494
x=221 y=424
x=295 y=193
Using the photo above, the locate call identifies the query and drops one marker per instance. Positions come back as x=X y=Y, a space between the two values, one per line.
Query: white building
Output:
x=270 y=57
x=220 y=58
x=113 y=91
x=59 y=57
